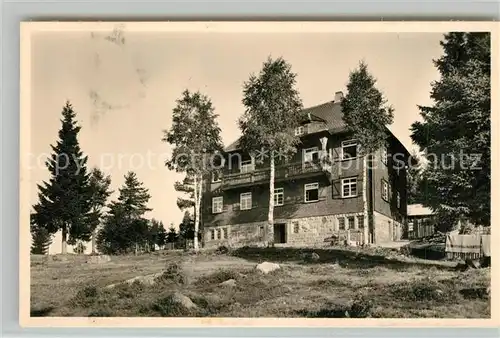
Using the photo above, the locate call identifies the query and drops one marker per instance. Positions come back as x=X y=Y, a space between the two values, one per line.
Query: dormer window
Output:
x=299 y=131
x=349 y=149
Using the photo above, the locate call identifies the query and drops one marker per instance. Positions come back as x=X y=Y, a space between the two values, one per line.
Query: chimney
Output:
x=338 y=96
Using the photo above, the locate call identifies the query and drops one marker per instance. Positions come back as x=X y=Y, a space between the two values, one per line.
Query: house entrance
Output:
x=280 y=233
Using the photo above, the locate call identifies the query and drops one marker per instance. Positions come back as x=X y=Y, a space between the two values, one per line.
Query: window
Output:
x=311 y=154
x=299 y=130
x=341 y=223
x=398 y=200
x=349 y=149
x=384 y=155
x=219 y=234
x=385 y=190
x=261 y=231
x=279 y=196
x=246 y=201
x=311 y=192
x=361 y=221
x=217 y=205
x=296 y=227
x=349 y=187
x=216 y=177
x=224 y=233
x=212 y=234
x=246 y=166
x=350 y=222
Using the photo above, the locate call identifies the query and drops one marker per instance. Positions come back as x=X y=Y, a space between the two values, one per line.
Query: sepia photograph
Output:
x=256 y=170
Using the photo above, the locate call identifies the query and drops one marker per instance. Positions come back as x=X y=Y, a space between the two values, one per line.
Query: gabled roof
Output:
x=329 y=112
x=418 y=210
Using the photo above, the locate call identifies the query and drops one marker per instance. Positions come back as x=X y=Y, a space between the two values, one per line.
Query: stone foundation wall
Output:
x=298 y=232
x=386 y=229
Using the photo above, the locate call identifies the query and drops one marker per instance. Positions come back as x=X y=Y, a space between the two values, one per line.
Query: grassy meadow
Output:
x=340 y=283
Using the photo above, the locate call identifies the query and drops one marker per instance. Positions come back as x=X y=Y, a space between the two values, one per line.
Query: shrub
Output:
x=101 y=313
x=174 y=273
x=166 y=307
x=424 y=290
x=222 y=250
x=361 y=307
x=86 y=297
x=218 y=277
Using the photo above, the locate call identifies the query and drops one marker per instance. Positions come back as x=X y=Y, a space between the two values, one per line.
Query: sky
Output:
x=124 y=93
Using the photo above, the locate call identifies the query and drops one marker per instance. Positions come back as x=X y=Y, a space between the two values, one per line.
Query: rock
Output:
x=267 y=267
x=230 y=282
x=334 y=266
x=59 y=258
x=179 y=298
x=98 y=259
x=314 y=257
x=476 y=264
x=310 y=256
x=146 y=280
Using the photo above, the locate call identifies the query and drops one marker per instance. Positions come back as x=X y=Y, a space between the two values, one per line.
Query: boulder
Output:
x=267 y=267
x=230 y=282
x=146 y=280
x=310 y=257
x=184 y=301
x=98 y=259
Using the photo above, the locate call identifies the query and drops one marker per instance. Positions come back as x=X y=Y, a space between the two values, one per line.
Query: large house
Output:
x=317 y=194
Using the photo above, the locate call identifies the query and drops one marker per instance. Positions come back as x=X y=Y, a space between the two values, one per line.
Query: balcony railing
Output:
x=281 y=172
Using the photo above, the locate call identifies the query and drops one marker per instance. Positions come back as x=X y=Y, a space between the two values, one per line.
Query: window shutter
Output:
x=336 y=189
x=322 y=193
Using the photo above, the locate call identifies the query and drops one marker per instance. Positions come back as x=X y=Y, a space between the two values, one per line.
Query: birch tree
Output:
x=366 y=114
x=195 y=140
x=272 y=111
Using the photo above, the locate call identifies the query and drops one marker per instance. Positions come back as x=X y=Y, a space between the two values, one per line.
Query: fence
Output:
x=464 y=247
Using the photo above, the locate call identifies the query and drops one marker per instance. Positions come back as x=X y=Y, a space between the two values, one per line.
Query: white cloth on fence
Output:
x=486 y=245
x=463 y=243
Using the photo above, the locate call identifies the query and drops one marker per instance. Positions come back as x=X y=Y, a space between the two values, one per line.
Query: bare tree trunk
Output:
x=365 y=201
x=64 y=243
x=197 y=199
x=94 y=241
x=270 y=215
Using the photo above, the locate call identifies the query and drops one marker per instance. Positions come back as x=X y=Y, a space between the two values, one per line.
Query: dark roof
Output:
x=330 y=112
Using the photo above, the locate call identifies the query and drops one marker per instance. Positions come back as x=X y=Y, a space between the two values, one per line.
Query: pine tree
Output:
x=161 y=236
x=125 y=228
x=272 y=111
x=413 y=180
x=64 y=201
x=172 y=236
x=187 y=228
x=41 y=239
x=134 y=197
x=455 y=134
x=100 y=192
x=366 y=114
x=195 y=137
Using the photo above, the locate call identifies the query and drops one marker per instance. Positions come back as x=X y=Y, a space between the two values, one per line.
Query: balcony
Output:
x=283 y=172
